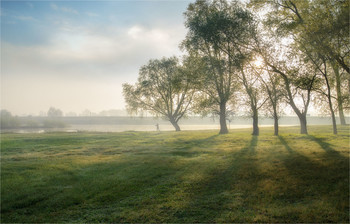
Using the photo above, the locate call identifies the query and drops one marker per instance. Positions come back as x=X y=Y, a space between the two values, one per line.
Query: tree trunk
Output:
x=341 y=113
x=343 y=65
x=301 y=115
x=339 y=94
x=275 y=125
x=303 y=123
x=275 y=119
x=174 y=123
x=223 y=126
x=334 y=122
x=255 y=122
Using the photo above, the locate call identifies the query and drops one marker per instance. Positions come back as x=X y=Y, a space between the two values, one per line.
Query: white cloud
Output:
x=91 y=14
x=128 y=46
x=30 y=5
x=54 y=6
x=82 y=67
x=24 y=18
x=135 y=32
x=69 y=10
x=64 y=9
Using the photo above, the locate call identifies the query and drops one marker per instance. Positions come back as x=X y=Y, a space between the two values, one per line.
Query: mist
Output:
x=82 y=54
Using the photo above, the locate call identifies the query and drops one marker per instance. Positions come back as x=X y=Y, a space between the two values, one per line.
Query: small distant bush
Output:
x=7 y=120
x=54 y=112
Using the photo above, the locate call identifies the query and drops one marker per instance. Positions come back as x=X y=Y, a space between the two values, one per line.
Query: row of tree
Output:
x=8 y=121
x=263 y=55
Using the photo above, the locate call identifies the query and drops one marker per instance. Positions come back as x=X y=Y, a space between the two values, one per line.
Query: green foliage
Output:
x=164 y=88
x=176 y=177
x=322 y=24
x=220 y=33
x=217 y=23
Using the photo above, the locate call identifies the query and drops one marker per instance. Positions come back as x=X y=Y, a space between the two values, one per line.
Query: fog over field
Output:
x=75 y=56
x=166 y=111
x=127 y=123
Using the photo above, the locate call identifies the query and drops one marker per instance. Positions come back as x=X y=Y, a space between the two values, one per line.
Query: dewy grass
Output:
x=189 y=176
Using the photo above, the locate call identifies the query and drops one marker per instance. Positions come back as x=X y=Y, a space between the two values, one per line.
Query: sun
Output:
x=258 y=62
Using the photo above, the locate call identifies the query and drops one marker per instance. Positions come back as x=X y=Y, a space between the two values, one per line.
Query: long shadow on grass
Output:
x=325 y=146
x=185 y=148
x=314 y=180
x=224 y=191
x=100 y=192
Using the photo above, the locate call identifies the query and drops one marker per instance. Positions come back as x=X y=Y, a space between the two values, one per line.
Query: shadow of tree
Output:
x=151 y=187
x=315 y=179
x=285 y=144
x=253 y=143
x=324 y=145
x=224 y=189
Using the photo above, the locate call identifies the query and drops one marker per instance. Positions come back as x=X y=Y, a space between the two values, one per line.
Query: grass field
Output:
x=190 y=176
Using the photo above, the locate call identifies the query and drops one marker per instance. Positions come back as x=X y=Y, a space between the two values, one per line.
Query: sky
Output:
x=75 y=55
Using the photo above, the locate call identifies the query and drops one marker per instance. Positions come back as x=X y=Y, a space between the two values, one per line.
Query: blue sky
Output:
x=75 y=55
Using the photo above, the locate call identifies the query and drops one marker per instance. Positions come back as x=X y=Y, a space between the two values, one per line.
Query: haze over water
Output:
x=120 y=124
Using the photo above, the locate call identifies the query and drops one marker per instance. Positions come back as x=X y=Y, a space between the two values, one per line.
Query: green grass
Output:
x=190 y=176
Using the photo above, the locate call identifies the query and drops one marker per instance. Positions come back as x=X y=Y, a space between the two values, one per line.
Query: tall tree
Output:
x=273 y=89
x=209 y=102
x=322 y=25
x=290 y=21
x=219 y=32
x=320 y=63
x=298 y=79
x=325 y=24
x=252 y=84
x=163 y=88
x=342 y=96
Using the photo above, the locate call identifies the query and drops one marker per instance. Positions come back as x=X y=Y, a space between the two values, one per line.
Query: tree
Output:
x=322 y=26
x=7 y=120
x=272 y=85
x=285 y=20
x=320 y=64
x=252 y=85
x=54 y=112
x=324 y=23
x=163 y=88
x=342 y=90
x=219 y=32
x=298 y=78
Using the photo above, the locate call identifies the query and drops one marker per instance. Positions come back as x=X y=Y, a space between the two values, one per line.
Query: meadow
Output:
x=188 y=176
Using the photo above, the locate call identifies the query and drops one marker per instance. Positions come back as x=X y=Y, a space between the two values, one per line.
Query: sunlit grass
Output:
x=190 y=176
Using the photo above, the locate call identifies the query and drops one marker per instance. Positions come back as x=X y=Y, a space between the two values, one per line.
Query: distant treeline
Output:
x=8 y=121
x=13 y=122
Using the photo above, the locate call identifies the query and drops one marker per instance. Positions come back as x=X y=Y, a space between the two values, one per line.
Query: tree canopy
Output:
x=163 y=88
x=261 y=54
x=219 y=32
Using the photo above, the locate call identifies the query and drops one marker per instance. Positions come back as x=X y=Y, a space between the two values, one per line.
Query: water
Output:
x=120 y=124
